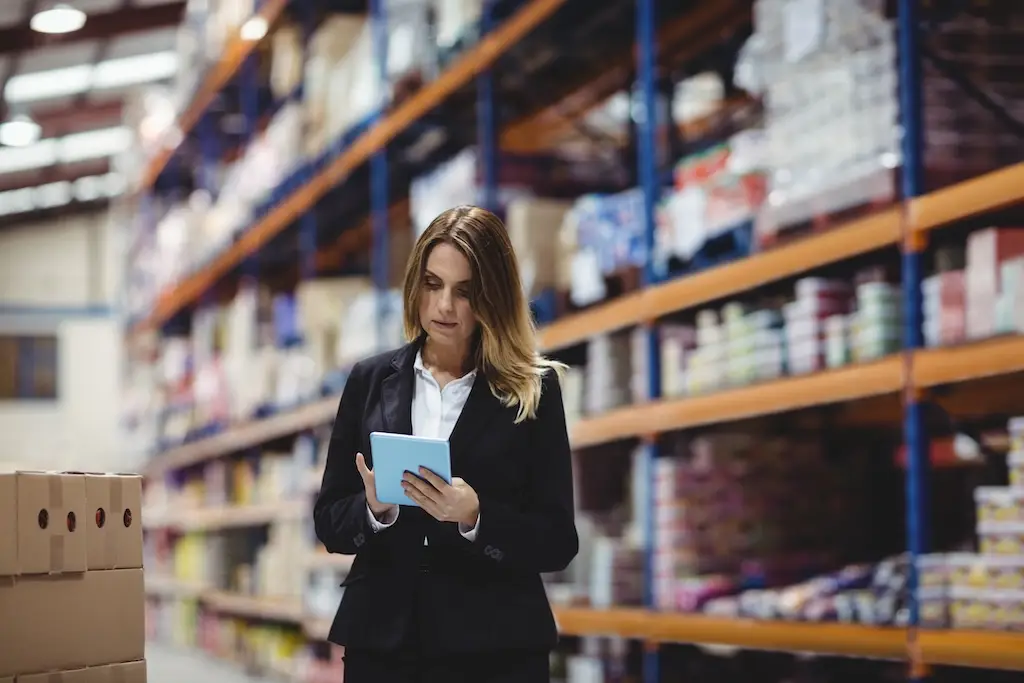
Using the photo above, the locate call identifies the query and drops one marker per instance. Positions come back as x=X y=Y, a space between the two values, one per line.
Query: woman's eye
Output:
x=462 y=293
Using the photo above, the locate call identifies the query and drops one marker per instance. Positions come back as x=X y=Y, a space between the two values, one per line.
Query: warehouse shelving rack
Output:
x=900 y=379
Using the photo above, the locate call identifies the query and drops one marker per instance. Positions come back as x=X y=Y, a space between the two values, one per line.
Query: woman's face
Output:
x=445 y=312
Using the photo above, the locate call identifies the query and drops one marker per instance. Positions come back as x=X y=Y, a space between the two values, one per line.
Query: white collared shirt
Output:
x=434 y=414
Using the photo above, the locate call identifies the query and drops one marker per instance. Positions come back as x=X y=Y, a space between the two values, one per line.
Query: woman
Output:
x=450 y=590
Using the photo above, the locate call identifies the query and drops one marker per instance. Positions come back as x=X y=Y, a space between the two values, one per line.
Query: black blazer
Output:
x=479 y=596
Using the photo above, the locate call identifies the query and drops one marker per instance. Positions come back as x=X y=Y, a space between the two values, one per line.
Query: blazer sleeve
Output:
x=540 y=535
x=340 y=515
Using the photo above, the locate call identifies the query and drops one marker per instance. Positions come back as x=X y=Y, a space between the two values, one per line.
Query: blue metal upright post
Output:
x=307 y=223
x=379 y=169
x=250 y=107
x=646 y=120
x=487 y=124
x=915 y=434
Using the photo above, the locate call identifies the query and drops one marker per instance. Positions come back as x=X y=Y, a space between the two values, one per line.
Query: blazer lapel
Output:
x=396 y=391
x=480 y=409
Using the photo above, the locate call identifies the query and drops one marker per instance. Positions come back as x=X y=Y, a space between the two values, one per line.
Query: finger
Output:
x=364 y=471
x=419 y=498
x=431 y=506
x=436 y=481
x=424 y=487
x=434 y=510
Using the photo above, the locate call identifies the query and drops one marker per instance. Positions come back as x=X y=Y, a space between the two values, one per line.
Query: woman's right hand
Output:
x=379 y=510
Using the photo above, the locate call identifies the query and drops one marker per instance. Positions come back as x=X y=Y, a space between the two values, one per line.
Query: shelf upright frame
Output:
x=486 y=117
x=915 y=434
x=307 y=223
x=645 y=118
x=250 y=100
x=210 y=154
x=379 y=176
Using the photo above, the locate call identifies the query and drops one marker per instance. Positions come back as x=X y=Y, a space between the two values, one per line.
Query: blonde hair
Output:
x=506 y=347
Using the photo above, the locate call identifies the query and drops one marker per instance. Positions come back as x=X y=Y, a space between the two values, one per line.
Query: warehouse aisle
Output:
x=171 y=665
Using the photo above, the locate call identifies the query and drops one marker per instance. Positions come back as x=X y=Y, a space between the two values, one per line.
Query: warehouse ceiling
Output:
x=74 y=86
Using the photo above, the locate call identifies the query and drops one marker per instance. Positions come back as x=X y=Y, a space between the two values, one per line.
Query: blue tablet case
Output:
x=396 y=454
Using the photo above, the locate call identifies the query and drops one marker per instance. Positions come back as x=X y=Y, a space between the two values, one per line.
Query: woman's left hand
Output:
x=455 y=502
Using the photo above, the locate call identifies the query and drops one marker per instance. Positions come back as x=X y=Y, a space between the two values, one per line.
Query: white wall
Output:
x=60 y=276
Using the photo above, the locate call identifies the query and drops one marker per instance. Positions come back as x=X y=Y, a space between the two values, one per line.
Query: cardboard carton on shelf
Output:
x=129 y=672
x=63 y=622
x=42 y=518
x=114 y=537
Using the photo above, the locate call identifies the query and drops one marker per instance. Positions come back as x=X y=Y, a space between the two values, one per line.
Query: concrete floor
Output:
x=171 y=665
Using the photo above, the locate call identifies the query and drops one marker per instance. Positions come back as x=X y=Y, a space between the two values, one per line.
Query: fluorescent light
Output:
x=19 y=131
x=94 y=144
x=39 y=155
x=88 y=189
x=44 y=85
x=58 y=19
x=73 y=80
x=118 y=73
x=52 y=195
x=254 y=29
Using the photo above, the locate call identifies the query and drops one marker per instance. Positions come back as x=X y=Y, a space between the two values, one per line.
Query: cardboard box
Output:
x=71 y=621
x=114 y=502
x=42 y=523
x=130 y=672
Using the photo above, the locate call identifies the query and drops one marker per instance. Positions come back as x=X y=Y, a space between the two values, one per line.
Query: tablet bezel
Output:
x=396 y=454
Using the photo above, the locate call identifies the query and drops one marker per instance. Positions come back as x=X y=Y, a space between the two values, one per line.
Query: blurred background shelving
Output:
x=778 y=242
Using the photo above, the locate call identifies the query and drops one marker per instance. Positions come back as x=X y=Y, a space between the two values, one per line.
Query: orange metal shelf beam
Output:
x=978 y=649
x=235 y=53
x=462 y=71
x=853 y=239
x=990 y=358
x=834 y=386
x=834 y=639
x=988 y=192
x=243 y=436
x=974 y=197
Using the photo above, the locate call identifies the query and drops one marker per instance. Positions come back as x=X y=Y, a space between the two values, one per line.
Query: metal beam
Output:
x=99 y=26
x=54 y=174
x=59 y=121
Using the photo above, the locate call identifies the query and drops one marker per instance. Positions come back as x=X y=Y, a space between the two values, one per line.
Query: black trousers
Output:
x=411 y=664
x=366 y=666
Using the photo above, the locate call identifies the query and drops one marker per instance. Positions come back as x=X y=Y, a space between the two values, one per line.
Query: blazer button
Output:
x=493 y=553
x=359 y=540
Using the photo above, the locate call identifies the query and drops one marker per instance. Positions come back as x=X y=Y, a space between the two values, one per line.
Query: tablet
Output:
x=396 y=454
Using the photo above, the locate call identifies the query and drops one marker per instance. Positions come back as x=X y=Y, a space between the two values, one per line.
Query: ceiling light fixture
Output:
x=60 y=18
x=254 y=29
x=19 y=131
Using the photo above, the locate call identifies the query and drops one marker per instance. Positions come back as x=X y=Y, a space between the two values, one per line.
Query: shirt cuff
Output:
x=378 y=525
x=470 y=534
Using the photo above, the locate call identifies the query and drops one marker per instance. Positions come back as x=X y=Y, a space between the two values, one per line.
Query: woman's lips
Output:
x=444 y=324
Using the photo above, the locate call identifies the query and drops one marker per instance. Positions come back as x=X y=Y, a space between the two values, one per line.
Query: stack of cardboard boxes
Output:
x=71 y=589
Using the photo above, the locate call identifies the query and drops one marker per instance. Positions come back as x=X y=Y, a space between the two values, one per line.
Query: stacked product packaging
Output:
x=984 y=590
x=828 y=324
x=71 y=584
x=828 y=73
x=979 y=295
x=713 y=192
x=728 y=510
